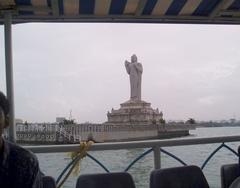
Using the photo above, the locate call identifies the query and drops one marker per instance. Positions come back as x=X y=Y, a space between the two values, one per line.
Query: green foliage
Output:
x=68 y=122
x=162 y=121
x=191 y=121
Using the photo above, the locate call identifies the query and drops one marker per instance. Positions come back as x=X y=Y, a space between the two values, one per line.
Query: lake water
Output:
x=53 y=164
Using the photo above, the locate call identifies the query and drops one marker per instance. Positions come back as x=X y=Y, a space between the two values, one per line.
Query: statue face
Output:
x=134 y=58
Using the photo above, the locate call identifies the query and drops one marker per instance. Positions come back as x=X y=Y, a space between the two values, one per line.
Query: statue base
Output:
x=135 y=112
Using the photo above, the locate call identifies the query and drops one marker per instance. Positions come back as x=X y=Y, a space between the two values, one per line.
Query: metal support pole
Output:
x=157 y=157
x=9 y=73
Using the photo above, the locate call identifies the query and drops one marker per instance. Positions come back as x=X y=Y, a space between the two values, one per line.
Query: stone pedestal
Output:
x=135 y=112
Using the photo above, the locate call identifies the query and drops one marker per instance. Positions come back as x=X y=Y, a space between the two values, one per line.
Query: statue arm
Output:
x=139 y=67
x=127 y=66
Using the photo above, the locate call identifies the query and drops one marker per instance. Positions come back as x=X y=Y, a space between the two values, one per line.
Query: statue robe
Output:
x=135 y=70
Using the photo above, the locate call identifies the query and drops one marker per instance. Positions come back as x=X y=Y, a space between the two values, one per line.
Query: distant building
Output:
x=18 y=121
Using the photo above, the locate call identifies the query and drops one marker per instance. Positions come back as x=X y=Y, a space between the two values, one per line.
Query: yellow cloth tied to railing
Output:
x=84 y=147
x=77 y=156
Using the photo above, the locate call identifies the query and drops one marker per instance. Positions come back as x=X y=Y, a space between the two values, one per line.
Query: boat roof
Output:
x=123 y=11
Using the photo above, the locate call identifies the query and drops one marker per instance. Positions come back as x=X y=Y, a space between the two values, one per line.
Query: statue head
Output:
x=133 y=58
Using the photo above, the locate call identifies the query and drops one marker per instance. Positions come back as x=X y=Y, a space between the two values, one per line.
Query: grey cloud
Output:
x=189 y=70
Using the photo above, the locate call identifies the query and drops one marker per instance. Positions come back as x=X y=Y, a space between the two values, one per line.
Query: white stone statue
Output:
x=134 y=69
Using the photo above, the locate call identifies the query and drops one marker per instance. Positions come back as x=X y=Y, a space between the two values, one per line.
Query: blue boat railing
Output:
x=155 y=146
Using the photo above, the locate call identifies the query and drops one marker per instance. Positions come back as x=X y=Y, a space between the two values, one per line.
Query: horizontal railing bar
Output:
x=133 y=144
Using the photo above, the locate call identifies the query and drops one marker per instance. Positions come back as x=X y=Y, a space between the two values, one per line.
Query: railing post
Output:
x=9 y=73
x=157 y=157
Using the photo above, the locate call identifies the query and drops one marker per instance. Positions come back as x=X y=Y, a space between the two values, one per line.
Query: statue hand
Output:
x=126 y=62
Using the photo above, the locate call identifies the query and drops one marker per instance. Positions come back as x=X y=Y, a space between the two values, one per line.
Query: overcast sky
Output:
x=188 y=70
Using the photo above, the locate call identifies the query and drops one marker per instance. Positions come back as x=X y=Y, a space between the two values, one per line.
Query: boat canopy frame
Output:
x=125 y=11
